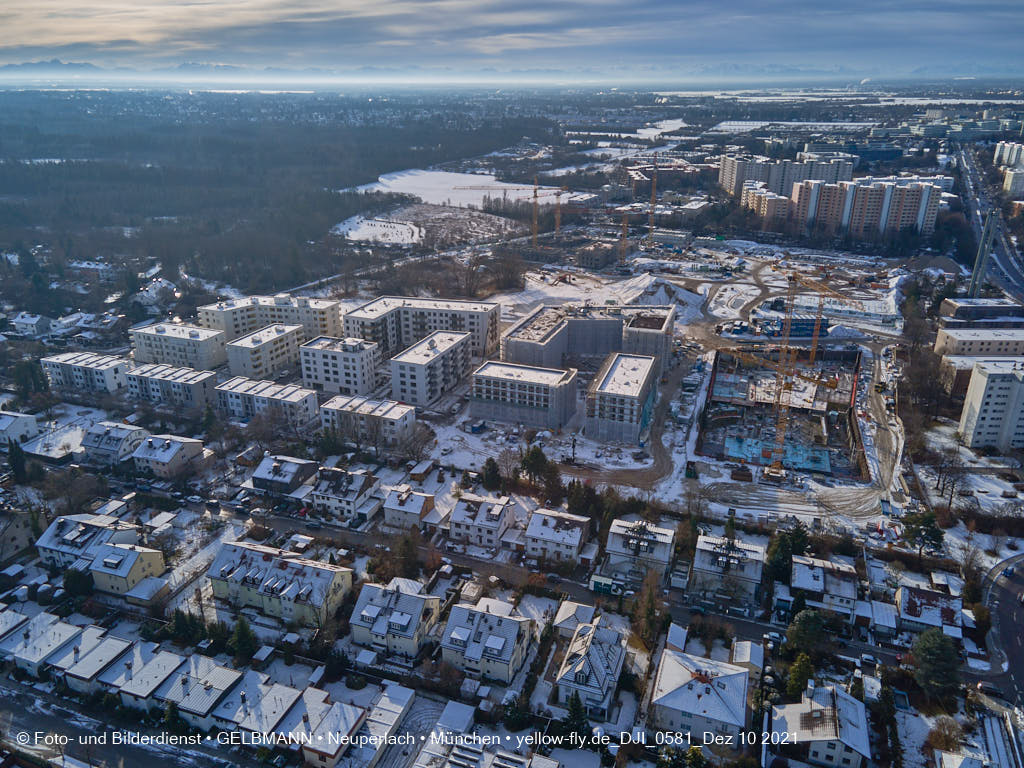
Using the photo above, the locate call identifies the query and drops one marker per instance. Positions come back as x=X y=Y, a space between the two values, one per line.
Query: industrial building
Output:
x=343 y=366
x=524 y=394
x=396 y=322
x=620 y=400
x=243 y=398
x=85 y=372
x=551 y=336
x=179 y=344
x=238 y=317
x=430 y=367
x=168 y=385
x=263 y=353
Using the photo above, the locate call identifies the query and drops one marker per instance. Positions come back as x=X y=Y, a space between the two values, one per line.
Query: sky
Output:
x=596 y=40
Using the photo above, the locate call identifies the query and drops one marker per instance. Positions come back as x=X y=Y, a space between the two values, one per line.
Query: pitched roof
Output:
x=396 y=609
x=491 y=627
x=712 y=689
x=593 y=658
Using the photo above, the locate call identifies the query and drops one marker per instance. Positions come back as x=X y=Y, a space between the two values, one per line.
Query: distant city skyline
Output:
x=595 y=41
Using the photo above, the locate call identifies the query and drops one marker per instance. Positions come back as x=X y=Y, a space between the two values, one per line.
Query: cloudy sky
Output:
x=655 y=40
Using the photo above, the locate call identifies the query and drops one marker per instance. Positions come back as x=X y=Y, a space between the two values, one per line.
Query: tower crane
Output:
x=537 y=194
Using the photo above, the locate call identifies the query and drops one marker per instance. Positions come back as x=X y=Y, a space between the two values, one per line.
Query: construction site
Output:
x=799 y=420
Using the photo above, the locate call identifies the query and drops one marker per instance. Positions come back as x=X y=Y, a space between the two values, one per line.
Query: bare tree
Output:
x=509 y=464
x=417 y=446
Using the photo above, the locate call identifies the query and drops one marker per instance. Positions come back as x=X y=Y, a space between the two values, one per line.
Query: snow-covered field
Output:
x=379 y=230
x=447 y=188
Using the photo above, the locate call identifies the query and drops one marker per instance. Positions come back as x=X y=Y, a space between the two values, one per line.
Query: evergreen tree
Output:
x=801 y=671
x=491 y=475
x=576 y=720
x=938 y=665
x=16 y=457
x=243 y=641
x=534 y=463
x=807 y=633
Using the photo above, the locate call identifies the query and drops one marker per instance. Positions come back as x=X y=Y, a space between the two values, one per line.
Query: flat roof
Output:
x=528 y=373
x=967 y=362
x=382 y=305
x=431 y=347
x=171 y=373
x=391 y=409
x=179 y=331
x=87 y=359
x=265 y=335
x=995 y=334
x=268 y=389
x=279 y=300
x=960 y=301
x=335 y=344
x=625 y=374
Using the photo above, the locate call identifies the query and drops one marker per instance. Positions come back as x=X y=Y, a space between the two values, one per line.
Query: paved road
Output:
x=1006 y=640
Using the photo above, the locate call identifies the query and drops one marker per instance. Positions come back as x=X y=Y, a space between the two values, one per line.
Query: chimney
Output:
x=128 y=671
x=76 y=651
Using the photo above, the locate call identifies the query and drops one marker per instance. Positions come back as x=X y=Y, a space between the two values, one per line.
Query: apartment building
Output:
x=865 y=210
x=107 y=443
x=779 y=176
x=727 y=567
x=117 y=568
x=396 y=322
x=771 y=208
x=238 y=317
x=343 y=366
x=362 y=421
x=168 y=385
x=85 y=372
x=1013 y=181
x=243 y=398
x=278 y=583
x=993 y=410
x=557 y=536
x=489 y=640
x=620 y=400
x=636 y=547
x=552 y=335
x=980 y=342
x=170 y=456
x=179 y=344
x=1009 y=153
x=430 y=367
x=397 y=618
x=480 y=520
x=524 y=394
x=71 y=538
x=263 y=353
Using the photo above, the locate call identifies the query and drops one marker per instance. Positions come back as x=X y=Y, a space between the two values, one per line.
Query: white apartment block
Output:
x=731 y=568
x=263 y=353
x=430 y=367
x=179 y=344
x=993 y=412
x=396 y=322
x=990 y=342
x=524 y=394
x=620 y=400
x=85 y=372
x=636 y=547
x=779 y=176
x=237 y=317
x=167 y=385
x=556 y=536
x=1013 y=181
x=1008 y=153
x=480 y=520
x=243 y=398
x=343 y=366
x=361 y=420
x=489 y=640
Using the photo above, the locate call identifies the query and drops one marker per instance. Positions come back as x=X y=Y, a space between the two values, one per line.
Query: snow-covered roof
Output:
x=142 y=681
x=281 y=469
x=491 y=627
x=179 y=331
x=383 y=305
x=117 y=559
x=395 y=609
x=712 y=689
x=123 y=667
x=748 y=652
x=10 y=620
x=197 y=685
x=405 y=499
x=86 y=360
x=826 y=713
x=276 y=572
x=68 y=657
x=570 y=615
x=163 y=448
x=481 y=511
x=557 y=527
x=255 y=704
x=103 y=655
x=109 y=435
x=883 y=614
x=171 y=373
x=624 y=375
x=342 y=484
x=496 y=369
x=364 y=406
x=431 y=347
x=43 y=635
x=80 y=534
x=349 y=344
x=264 y=336
x=593 y=659
x=924 y=606
x=266 y=390
x=311 y=716
x=831 y=577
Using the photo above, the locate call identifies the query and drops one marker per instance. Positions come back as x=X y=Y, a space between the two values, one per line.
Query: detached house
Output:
x=405 y=508
x=556 y=536
x=829 y=727
x=727 y=567
x=349 y=497
x=394 y=619
x=591 y=667
x=480 y=520
x=696 y=695
x=487 y=640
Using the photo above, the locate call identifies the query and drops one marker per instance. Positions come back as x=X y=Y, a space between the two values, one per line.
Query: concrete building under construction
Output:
x=740 y=421
x=552 y=336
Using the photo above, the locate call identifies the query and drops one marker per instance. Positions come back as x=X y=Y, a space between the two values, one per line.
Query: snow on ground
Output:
x=730 y=300
x=447 y=188
x=379 y=230
x=577 y=758
x=540 y=609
